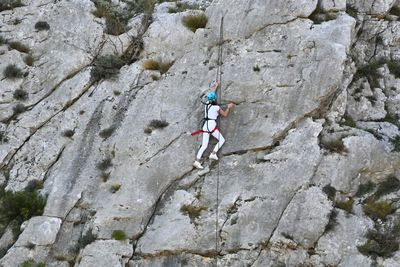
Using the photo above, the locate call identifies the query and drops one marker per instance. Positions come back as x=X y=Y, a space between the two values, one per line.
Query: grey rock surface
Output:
x=317 y=106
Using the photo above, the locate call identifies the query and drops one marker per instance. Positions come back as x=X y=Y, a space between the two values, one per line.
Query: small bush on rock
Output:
x=365 y=188
x=17 y=207
x=192 y=211
x=9 y=4
x=180 y=7
x=378 y=210
x=2 y=40
x=194 y=22
x=20 y=94
x=395 y=141
x=19 y=47
x=104 y=164
x=389 y=185
x=18 y=109
x=346 y=205
x=12 y=72
x=336 y=146
x=152 y=64
x=119 y=235
x=105 y=133
x=29 y=60
x=42 y=26
x=381 y=243
x=155 y=124
x=106 y=67
x=394 y=67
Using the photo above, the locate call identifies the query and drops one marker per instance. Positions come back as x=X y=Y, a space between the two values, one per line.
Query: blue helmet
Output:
x=211 y=96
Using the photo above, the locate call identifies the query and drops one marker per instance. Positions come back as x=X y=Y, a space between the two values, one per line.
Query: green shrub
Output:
x=119 y=235
x=114 y=188
x=12 y=72
x=389 y=185
x=332 y=221
x=377 y=210
x=396 y=143
x=380 y=244
x=365 y=188
x=104 y=164
x=370 y=71
x=19 y=47
x=348 y=121
x=9 y=4
x=330 y=191
x=192 y=211
x=194 y=22
x=20 y=94
x=394 y=67
x=17 y=207
x=86 y=239
x=106 y=67
x=391 y=119
x=29 y=60
x=256 y=68
x=2 y=40
x=42 y=26
x=351 y=11
x=18 y=109
x=105 y=133
x=68 y=133
x=346 y=205
x=395 y=10
x=3 y=137
x=105 y=176
x=319 y=16
x=336 y=146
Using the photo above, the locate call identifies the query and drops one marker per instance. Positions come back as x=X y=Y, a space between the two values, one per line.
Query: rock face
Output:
x=312 y=146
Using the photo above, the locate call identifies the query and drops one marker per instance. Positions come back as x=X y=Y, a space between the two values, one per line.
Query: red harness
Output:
x=202 y=131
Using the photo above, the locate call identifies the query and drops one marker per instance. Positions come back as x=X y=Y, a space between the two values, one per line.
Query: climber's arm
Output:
x=225 y=113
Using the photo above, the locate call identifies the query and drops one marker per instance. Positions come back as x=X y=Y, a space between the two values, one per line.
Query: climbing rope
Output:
x=219 y=93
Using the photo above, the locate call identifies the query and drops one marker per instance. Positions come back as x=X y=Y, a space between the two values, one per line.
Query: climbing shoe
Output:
x=213 y=156
x=197 y=165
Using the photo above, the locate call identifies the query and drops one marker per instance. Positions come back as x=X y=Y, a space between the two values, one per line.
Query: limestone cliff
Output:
x=97 y=100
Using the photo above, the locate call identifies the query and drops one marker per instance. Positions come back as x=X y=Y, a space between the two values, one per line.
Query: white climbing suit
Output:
x=211 y=113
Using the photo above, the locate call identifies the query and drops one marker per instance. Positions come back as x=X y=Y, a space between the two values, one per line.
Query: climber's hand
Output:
x=231 y=105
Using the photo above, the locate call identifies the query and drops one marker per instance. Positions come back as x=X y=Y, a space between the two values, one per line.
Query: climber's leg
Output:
x=221 y=140
x=206 y=138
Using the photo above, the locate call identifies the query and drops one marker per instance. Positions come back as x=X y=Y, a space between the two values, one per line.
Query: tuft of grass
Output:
x=9 y=4
x=348 y=121
x=118 y=235
x=380 y=244
x=335 y=146
x=116 y=92
x=332 y=221
x=114 y=188
x=330 y=191
x=3 y=137
x=389 y=185
x=395 y=141
x=34 y=185
x=105 y=176
x=152 y=64
x=106 y=133
x=20 y=94
x=192 y=211
x=370 y=71
x=155 y=124
x=377 y=210
x=12 y=72
x=2 y=40
x=106 y=67
x=391 y=119
x=19 y=47
x=256 y=68
x=17 y=207
x=42 y=26
x=346 y=205
x=365 y=188
x=194 y=22
x=395 y=10
x=394 y=67
x=351 y=11
x=68 y=133
x=104 y=164
x=29 y=60
x=18 y=109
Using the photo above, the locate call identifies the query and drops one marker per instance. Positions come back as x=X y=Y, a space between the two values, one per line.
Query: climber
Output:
x=211 y=112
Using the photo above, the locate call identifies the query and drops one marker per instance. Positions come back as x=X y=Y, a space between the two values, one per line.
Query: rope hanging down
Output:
x=219 y=93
